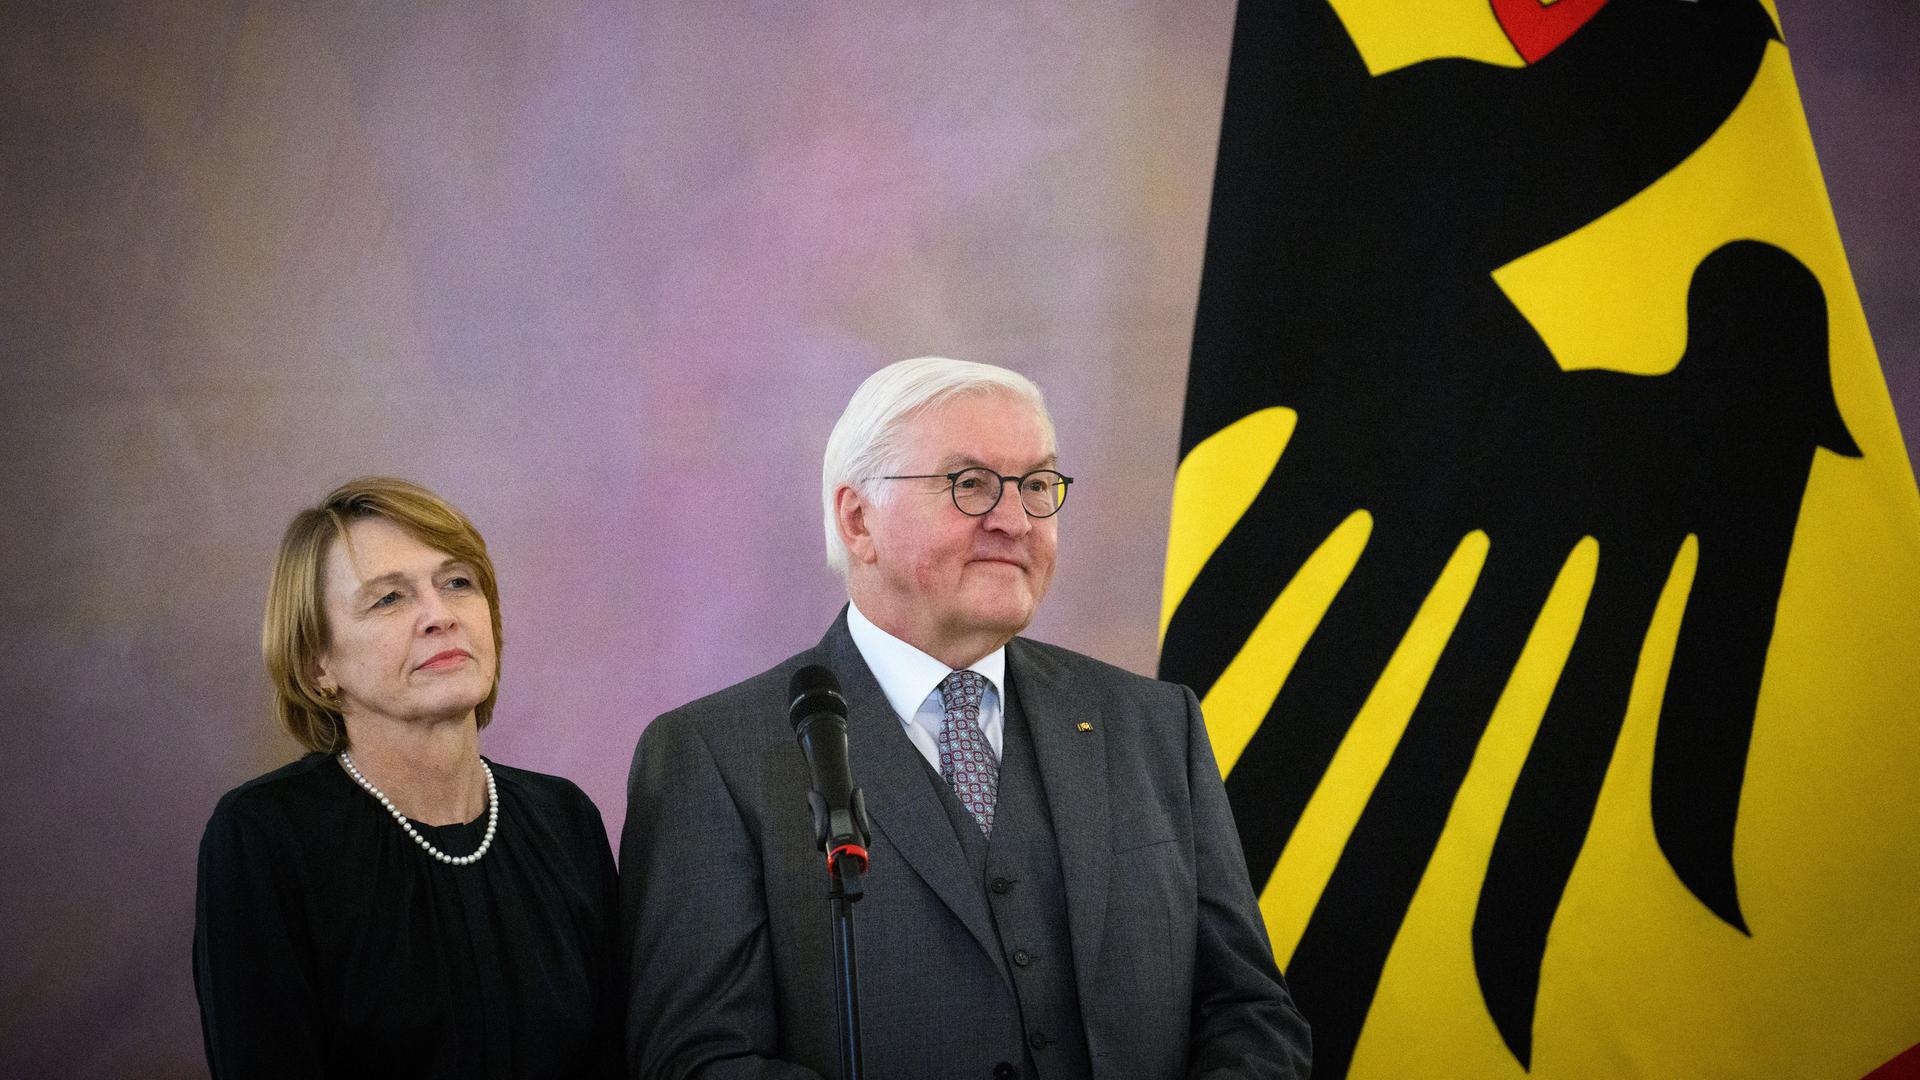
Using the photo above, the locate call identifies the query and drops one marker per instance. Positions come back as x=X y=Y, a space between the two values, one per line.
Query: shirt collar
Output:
x=905 y=674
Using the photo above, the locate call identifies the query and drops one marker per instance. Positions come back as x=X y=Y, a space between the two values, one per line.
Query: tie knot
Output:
x=963 y=690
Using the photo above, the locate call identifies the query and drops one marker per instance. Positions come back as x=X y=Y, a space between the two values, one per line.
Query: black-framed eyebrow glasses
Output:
x=976 y=491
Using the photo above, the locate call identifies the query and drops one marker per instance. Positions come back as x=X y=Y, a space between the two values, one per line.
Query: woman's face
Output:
x=410 y=633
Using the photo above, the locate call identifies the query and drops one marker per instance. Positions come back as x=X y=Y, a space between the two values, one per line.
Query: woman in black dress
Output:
x=393 y=904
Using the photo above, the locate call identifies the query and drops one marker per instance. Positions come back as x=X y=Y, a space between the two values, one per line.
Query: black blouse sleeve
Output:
x=612 y=997
x=251 y=965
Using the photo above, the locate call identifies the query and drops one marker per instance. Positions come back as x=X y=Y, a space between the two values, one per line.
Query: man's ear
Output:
x=850 y=511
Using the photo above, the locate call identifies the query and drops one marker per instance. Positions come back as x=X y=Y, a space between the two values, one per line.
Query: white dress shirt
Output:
x=911 y=681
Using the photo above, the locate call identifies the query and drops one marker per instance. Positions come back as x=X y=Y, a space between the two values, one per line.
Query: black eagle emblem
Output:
x=1356 y=224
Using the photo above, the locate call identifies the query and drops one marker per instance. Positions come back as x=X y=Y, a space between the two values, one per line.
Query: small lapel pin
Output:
x=1084 y=726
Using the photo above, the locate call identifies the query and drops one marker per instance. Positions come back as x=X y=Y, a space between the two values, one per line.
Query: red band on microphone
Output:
x=854 y=850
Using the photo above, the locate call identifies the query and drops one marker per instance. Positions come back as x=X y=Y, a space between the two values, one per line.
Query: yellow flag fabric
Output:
x=1545 y=551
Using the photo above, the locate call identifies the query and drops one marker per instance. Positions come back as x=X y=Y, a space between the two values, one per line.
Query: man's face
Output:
x=953 y=586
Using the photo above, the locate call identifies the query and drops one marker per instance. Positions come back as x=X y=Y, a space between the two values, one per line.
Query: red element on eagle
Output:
x=1537 y=27
x=1904 y=1067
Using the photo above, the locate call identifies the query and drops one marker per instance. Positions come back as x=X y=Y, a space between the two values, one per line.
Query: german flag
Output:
x=1545 y=550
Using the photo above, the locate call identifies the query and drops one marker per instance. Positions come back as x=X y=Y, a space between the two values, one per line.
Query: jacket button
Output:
x=1005 y=1071
x=1020 y=958
x=1001 y=885
x=1037 y=1040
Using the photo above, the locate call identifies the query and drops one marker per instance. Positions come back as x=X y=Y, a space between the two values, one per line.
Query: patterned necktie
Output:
x=966 y=759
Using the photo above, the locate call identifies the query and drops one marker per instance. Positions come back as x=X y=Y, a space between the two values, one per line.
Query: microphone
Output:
x=819 y=717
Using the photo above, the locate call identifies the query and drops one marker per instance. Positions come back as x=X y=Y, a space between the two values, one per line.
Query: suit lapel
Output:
x=1073 y=770
x=901 y=802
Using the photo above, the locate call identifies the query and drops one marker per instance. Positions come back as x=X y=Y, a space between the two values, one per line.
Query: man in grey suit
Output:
x=1056 y=888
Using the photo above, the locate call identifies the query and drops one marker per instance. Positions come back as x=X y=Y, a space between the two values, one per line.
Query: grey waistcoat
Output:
x=1018 y=872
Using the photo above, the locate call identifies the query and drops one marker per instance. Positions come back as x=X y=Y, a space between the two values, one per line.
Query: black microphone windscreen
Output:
x=814 y=690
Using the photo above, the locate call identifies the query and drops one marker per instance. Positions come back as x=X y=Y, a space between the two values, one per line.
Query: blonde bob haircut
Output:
x=294 y=632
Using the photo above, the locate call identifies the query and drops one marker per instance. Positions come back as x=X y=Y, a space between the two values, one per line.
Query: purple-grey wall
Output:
x=603 y=275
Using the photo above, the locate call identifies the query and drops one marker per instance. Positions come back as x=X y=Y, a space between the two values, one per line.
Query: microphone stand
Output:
x=843 y=835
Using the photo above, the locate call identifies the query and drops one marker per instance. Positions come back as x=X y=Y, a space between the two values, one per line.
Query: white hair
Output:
x=866 y=442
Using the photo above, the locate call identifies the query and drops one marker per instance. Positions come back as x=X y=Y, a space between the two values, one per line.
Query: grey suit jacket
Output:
x=723 y=893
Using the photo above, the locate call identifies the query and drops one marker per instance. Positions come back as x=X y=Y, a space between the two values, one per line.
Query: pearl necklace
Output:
x=493 y=814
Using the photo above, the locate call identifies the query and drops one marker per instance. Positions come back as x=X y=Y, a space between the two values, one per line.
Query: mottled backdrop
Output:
x=602 y=275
